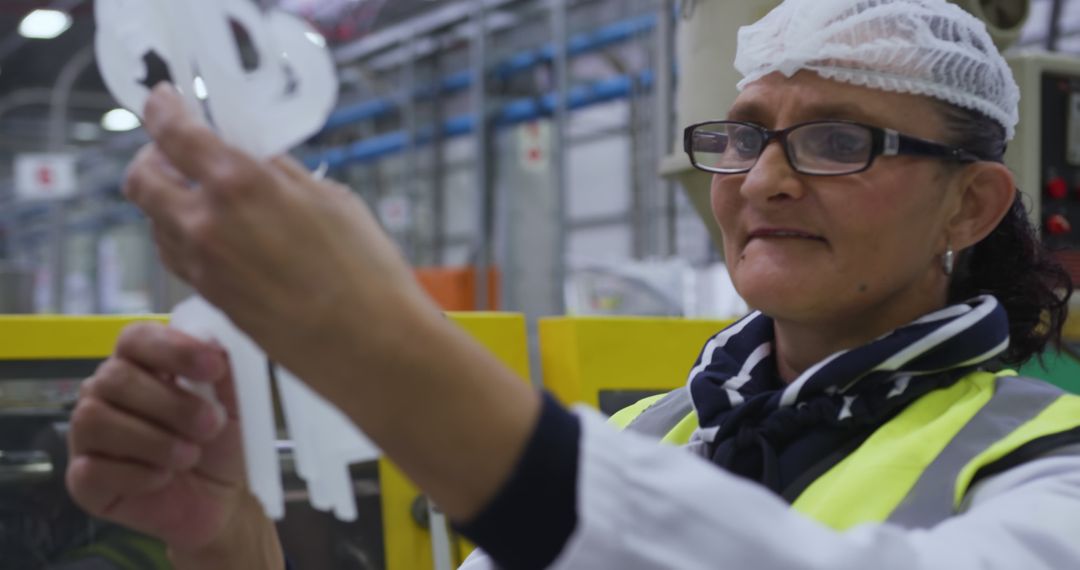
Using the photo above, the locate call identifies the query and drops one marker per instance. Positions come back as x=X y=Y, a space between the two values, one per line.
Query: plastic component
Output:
x=925 y=47
x=269 y=84
x=200 y=319
x=264 y=107
x=326 y=442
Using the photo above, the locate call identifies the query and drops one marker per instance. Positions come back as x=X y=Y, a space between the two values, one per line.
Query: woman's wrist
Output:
x=375 y=338
x=248 y=540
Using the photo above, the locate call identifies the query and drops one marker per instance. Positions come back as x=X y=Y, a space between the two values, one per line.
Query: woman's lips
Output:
x=784 y=233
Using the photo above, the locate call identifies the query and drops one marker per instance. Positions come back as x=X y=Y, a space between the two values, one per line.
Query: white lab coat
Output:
x=642 y=505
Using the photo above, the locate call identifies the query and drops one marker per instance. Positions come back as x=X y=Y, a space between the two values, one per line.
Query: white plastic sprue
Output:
x=264 y=105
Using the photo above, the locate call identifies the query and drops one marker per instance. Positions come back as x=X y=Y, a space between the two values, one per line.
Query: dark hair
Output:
x=1011 y=263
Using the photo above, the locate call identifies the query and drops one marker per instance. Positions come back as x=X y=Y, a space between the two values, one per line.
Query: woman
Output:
x=849 y=422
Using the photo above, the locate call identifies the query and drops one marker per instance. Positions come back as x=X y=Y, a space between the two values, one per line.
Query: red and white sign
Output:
x=45 y=176
x=534 y=145
x=395 y=213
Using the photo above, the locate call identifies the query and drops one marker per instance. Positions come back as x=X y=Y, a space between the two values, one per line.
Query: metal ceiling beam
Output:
x=1054 y=26
x=39 y=96
x=435 y=20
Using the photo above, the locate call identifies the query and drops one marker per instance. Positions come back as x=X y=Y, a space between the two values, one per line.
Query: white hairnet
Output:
x=925 y=47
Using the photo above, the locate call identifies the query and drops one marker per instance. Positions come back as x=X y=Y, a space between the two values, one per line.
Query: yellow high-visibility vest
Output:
x=915 y=469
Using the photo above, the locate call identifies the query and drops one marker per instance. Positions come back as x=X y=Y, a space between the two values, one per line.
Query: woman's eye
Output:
x=844 y=144
x=746 y=142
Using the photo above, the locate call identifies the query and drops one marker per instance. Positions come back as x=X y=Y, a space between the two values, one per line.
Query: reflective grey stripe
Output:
x=1015 y=401
x=1065 y=451
x=661 y=417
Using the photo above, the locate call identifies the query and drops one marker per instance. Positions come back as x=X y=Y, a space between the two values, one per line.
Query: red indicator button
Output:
x=1057 y=225
x=1057 y=188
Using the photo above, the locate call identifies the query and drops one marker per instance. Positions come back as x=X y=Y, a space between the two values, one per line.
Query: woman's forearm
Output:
x=442 y=407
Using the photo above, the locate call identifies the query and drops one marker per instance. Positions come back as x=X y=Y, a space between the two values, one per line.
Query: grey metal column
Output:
x=663 y=89
x=482 y=247
x=409 y=187
x=1054 y=25
x=562 y=87
x=58 y=125
x=58 y=253
x=438 y=170
x=97 y=270
x=641 y=201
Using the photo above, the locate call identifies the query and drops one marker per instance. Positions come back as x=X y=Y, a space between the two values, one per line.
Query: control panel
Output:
x=1060 y=160
x=1045 y=155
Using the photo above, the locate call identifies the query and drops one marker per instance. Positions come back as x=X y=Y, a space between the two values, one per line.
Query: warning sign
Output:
x=395 y=213
x=45 y=176
x=534 y=145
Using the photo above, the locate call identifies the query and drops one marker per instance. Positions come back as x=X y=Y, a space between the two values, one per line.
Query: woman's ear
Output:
x=987 y=191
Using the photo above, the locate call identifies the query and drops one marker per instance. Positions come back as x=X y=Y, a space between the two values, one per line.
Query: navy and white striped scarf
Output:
x=754 y=425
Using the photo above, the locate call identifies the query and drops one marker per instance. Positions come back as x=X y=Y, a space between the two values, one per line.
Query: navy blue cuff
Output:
x=530 y=519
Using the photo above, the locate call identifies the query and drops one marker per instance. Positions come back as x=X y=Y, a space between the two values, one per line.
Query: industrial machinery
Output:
x=1045 y=156
x=43 y=359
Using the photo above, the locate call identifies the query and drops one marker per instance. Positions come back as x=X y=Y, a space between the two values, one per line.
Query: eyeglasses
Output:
x=817 y=148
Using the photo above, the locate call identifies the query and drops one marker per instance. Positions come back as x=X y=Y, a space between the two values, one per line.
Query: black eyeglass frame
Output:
x=885 y=142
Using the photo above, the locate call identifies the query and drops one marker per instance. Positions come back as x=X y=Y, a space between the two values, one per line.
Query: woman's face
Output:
x=818 y=249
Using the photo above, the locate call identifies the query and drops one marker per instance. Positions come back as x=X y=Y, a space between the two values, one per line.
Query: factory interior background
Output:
x=525 y=156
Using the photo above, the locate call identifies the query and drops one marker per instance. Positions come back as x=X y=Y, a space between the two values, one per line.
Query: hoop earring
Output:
x=948 y=261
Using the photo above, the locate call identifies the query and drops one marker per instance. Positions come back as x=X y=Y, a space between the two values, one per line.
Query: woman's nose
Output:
x=772 y=178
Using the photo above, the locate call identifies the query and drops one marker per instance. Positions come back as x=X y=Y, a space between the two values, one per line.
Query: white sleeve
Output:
x=645 y=506
x=478 y=560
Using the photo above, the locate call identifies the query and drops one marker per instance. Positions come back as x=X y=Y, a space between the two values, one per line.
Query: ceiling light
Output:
x=44 y=24
x=119 y=120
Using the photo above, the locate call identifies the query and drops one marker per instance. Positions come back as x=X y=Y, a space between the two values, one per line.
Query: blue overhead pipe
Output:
x=373 y=148
x=577 y=45
x=512 y=113
x=359 y=112
x=583 y=43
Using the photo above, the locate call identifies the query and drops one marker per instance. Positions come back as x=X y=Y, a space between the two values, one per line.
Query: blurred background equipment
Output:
x=512 y=148
x=1046 y=153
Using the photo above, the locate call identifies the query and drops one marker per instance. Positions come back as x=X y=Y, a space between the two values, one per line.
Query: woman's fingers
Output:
x=156 y=347
x=158 y=189
x=188 y=144
x=197 y=152
x=99 y=429
x=293 y=169
x=97 y=484
x=153 y=399
x=165 y=350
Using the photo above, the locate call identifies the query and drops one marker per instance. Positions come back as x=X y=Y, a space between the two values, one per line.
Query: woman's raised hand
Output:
x=284 y=255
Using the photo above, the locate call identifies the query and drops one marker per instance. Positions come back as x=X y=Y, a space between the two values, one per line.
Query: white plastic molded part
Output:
x=265 y=109
x=200 y=319
x=330 y=442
